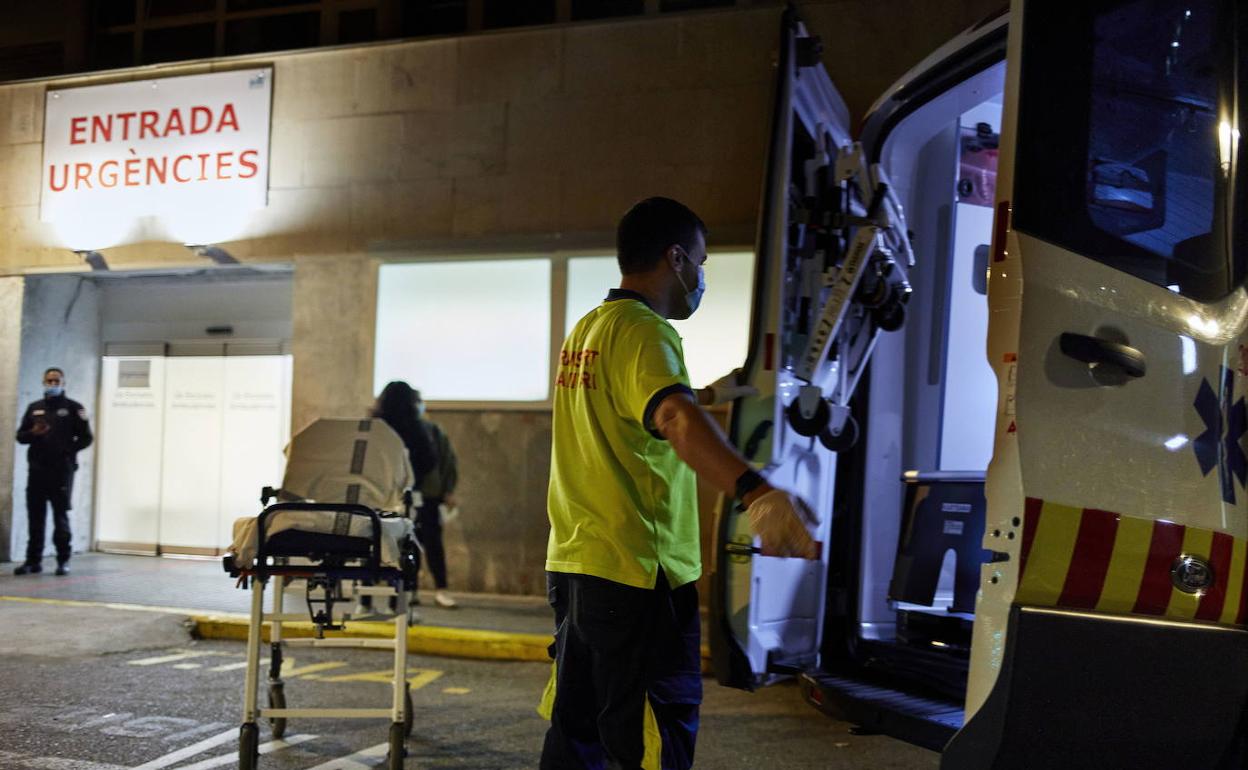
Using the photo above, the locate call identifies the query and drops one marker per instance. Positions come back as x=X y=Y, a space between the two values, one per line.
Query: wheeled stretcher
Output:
x=354 y=540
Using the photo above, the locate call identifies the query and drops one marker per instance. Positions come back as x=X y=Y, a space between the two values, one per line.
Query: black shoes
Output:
x=62 y=568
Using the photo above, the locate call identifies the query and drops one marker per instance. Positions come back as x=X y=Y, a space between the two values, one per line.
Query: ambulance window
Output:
x=1119 y=156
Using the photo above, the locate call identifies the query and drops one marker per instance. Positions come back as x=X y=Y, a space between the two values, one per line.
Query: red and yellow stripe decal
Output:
x=1089 y=559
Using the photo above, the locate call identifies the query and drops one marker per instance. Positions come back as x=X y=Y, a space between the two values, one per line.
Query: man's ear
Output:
x=674 y=254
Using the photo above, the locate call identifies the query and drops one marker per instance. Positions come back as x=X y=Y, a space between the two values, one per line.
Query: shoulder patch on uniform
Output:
x=82 y=413
x=62 y=412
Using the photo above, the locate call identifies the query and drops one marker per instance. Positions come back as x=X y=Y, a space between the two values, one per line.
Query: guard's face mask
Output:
x=54 y=391
x=693 y=297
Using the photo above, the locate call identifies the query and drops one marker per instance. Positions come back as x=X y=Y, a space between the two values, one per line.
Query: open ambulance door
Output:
x=766 y=612
x=1109 y=624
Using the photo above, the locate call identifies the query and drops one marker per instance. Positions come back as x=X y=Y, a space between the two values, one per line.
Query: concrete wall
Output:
x=335 y=312
x=60 y=327
x=11 y=291
x=498 y=543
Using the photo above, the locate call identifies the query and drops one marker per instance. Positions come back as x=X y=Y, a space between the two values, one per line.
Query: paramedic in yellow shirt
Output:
x=623 y=554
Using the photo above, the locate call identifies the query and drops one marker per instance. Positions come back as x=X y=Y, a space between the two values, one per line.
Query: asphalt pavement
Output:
x=93 y=679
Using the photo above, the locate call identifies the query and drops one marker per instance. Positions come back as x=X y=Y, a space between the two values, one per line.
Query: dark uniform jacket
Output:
x=68 y=434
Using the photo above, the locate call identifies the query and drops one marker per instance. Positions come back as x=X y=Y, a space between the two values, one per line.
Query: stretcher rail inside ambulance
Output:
x=851 y=247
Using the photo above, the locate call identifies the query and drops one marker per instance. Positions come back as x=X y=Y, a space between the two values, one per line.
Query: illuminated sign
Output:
x=161 y=148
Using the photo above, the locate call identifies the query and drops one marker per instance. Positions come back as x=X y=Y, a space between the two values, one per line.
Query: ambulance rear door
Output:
x=767 y=613
x=1108 y=628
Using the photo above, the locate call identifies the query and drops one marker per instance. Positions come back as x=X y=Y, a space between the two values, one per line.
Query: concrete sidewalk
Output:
x=484 y=626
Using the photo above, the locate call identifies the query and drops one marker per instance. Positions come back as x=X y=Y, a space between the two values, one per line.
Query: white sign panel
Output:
x=155 y=147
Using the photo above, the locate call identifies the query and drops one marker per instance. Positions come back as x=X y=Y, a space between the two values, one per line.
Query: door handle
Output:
x=1094 y=350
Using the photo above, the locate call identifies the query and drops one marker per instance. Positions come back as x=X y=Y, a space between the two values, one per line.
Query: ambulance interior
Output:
x=932 y=399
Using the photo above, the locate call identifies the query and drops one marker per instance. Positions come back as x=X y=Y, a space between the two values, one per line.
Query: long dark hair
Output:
x=397 y=407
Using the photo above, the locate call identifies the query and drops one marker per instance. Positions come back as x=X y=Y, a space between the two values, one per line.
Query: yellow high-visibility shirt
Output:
x=621 y=503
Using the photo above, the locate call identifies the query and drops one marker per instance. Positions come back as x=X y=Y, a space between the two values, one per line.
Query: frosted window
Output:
x=716 y=338
x=465 y=331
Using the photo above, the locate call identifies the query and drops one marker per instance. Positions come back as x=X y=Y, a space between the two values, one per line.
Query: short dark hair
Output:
x=56 y=369
x=649 y=228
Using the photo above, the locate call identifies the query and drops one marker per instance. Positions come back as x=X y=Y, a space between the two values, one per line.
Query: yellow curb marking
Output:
x=456 y=690
x=422 y=640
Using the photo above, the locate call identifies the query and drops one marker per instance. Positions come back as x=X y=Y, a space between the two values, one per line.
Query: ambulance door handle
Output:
x=1095 y=350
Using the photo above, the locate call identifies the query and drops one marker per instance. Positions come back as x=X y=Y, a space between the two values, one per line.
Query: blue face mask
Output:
x=693 y=297
x=54 y=392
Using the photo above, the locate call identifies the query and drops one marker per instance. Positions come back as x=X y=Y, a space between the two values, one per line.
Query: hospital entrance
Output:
x=193 y=408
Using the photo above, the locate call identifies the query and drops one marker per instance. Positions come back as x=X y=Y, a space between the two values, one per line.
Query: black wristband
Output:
x=749 y=481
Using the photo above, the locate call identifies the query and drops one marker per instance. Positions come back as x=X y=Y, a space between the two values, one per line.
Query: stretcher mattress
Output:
x=351 y=461
x=328 y=523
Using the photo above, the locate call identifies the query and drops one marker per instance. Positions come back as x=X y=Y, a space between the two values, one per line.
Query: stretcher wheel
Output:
x=277 y=700
x=248 y=746
x=847 y=438
x=808 y=426
x=398 y=750
x=409 y=719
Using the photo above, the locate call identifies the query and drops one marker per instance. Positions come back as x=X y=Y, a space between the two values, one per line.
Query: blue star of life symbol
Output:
x=1225 y=425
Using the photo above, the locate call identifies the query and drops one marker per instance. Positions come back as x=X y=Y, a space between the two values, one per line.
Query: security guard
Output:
x=624 y=554
x=56 y=429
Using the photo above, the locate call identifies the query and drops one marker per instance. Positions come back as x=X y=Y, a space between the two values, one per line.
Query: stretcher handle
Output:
x=355 y=509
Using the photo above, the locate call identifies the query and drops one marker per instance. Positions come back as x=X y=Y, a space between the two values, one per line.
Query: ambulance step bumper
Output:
x=919 y=719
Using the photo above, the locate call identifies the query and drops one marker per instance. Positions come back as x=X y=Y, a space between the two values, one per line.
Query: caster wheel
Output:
x=277 y=700
x=808 y=426
x=398 y=751
x=847 y=438
x=409 y=718
x=248 y=746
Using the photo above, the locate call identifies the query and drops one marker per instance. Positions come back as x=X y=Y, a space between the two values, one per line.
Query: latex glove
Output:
x=781 y=520
x=729 y=388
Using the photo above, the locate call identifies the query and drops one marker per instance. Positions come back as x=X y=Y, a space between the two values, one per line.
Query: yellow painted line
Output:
x=1235 y=581
x=105 y=605
x=297 y=672
x=1196 y=542
x=187 y=666
x=456 y=690
x=443 y=641
x=422 y=677
x=1126 y=565
x=1051 y=551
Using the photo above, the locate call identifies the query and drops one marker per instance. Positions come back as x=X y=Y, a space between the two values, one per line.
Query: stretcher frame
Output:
x=387 y=583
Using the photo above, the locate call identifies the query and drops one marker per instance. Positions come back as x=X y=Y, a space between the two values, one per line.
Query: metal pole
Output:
x=400 y=655
x=253 y=651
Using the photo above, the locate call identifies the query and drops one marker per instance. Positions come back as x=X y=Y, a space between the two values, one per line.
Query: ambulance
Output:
x=999 y=335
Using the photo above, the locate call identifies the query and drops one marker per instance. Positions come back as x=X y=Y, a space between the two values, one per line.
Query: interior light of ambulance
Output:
x=1175 y=443
x=1228 y=140
x=1189 y=354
